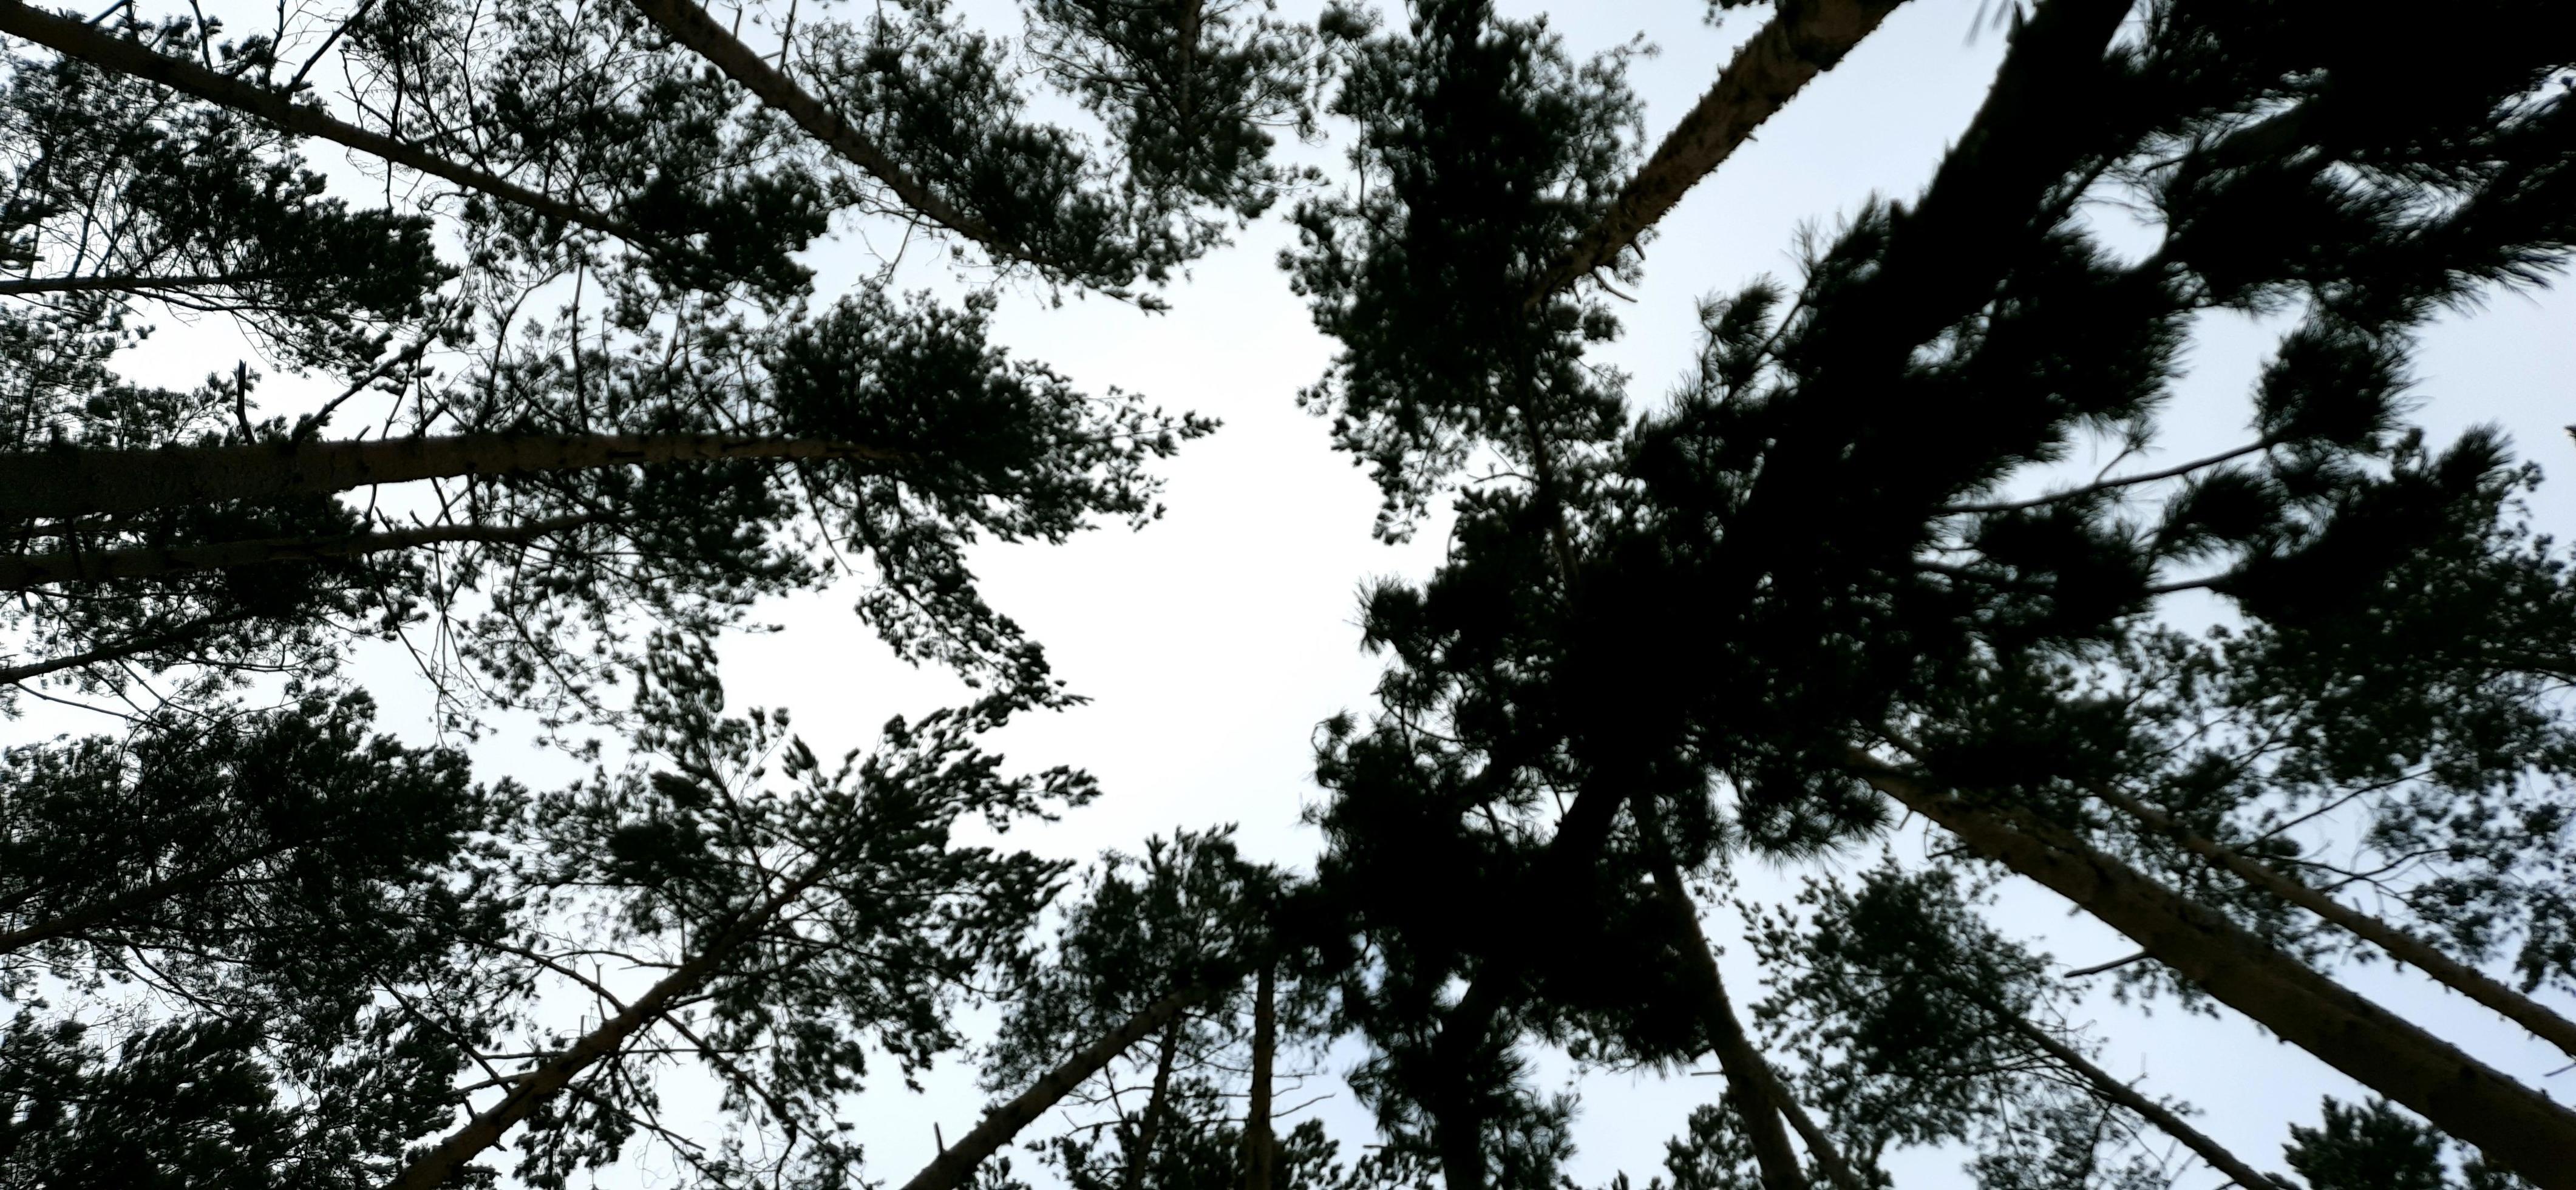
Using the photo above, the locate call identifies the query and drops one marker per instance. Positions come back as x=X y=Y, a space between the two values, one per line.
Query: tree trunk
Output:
x=1152 y=1122
x=2405 y=947
x=123 y=55
x=90 y=566
x=64 y=484
x=1260 y=1148
x=1804 y=39
x=952 y=1167
x=2115 y=1091
x=529 y=1091
x=2513 y=1125
x=1757 y=1100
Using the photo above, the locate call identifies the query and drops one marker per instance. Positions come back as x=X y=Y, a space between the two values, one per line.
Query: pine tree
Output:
x=591 y=406
x=1792 y=604
x=683 y=435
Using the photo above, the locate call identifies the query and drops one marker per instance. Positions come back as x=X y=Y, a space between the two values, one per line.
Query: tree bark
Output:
x=1804 y=39
x=123 y=55
x=2513 y=1125
x=1260 y=1147
x=2115 y=1091
x=443 y=1161
x=2405 y=947
x=951 y=1168
x=64 y=484
x=76 y=566
x=1151 y=1123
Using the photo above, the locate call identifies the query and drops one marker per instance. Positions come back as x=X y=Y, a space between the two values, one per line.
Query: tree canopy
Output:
x=546 y=395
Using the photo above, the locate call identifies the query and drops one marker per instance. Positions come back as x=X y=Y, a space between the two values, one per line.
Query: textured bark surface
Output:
x=1804 y=39
x=2155 y=1113
x=63 y=484
x=121 y=55
x=79 y=566
x=2404 y=947
x=953 y=1167
x=2513 y=1125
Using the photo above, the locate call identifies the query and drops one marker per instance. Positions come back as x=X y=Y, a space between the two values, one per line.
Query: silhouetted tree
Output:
x=1797 y=597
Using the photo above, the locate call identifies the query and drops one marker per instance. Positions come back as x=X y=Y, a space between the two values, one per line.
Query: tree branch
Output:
x=690 y=26
x=67 y=483
x=177 y=635
x=79 y=566
x=127 y=56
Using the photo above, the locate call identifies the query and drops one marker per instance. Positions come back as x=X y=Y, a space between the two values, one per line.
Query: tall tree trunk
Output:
x=64 y=484
x=2405 y=947
x=1260 y=1147
x=124 y=55
x=2115 y=1091
x=954 y=1165
x=532 y=1090
x=2513 y=1125
x=1804 y=39
x=1151 y=1123
x=90 y=566
x=1758 y=1100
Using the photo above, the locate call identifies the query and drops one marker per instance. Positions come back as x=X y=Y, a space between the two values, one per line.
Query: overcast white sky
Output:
x=1213 y=642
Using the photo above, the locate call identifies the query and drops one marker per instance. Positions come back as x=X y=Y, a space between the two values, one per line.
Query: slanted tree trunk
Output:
x=65 y=484
x=953 y=1166
x=1757 y=1088
x=2513 y=1125
x=2406 y=948
x=533 y=1089
x=1260 y=1148
x=1151 y=1123
x=2113 y=1090
x=1804 y=39
x=126 y=56
x=1756 y=1104
x=686 y=23
x=90 y=566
